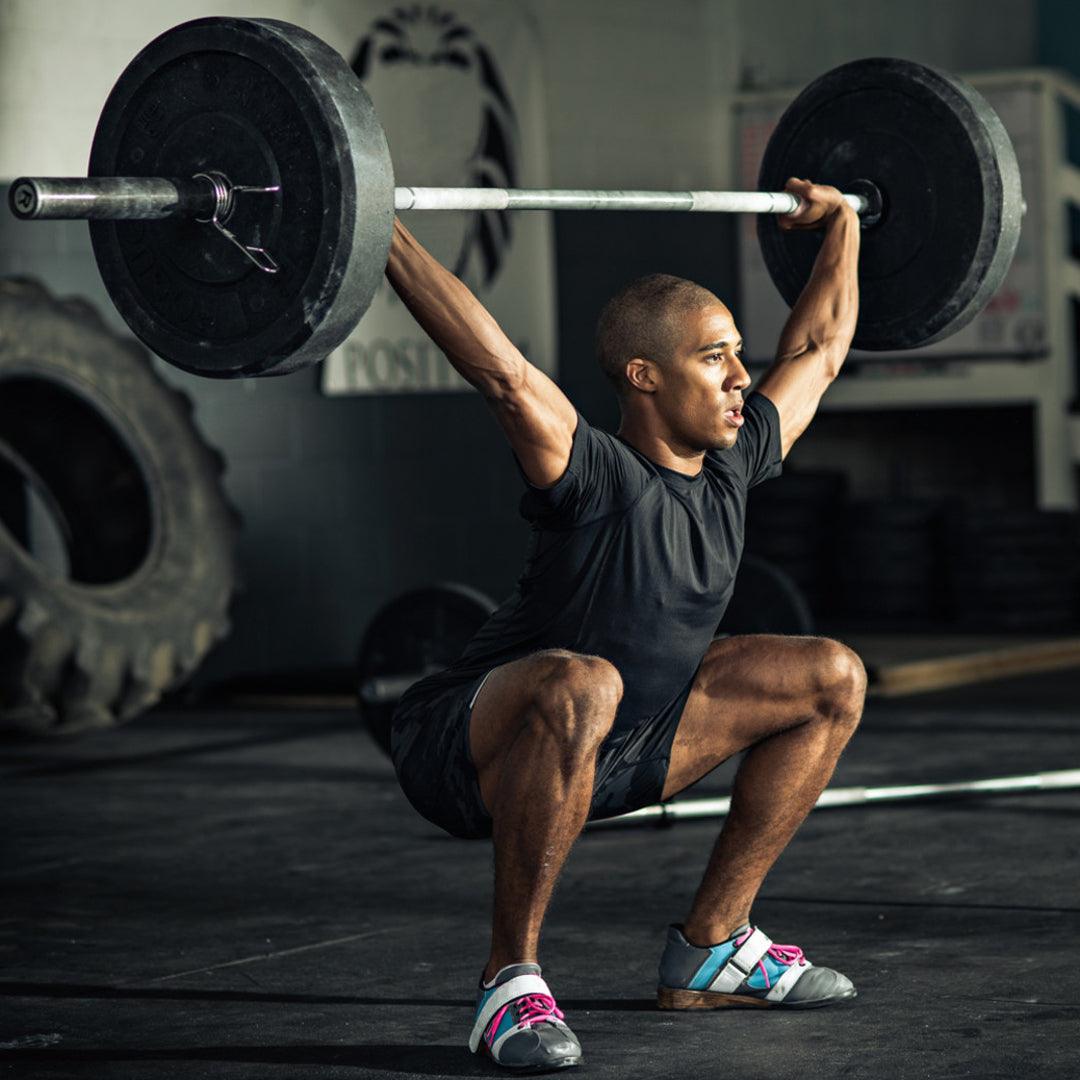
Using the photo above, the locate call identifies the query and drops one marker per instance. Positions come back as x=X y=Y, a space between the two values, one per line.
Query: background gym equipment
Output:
x=766 y=600
x=791 y=523
x=415 y=634
x=117 y=543
x=241 y=196
x=689 y=809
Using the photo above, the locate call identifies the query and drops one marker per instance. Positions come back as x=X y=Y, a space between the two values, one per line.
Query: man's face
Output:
x=700 y=392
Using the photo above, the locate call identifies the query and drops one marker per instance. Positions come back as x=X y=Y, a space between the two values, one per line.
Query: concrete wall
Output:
x=349 y=501
x=787 y=44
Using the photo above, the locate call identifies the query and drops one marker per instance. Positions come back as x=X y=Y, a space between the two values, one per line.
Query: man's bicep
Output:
x=539 y=423
x=795 y=385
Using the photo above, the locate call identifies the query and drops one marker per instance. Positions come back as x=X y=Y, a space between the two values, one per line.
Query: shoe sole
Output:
x=564 y=1063
x=552 y=1066
x=668 y=997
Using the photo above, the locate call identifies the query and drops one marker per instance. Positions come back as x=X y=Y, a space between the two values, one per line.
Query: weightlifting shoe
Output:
x=747 y=970
x=519 y=1026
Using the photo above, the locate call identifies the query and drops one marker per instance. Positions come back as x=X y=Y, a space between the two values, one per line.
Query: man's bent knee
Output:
x=840 y=682
x=576 y=697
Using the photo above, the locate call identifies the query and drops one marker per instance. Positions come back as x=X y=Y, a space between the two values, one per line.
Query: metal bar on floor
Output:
x=665 y=813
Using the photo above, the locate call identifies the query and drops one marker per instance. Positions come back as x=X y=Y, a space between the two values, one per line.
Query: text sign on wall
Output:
x=459 y=94
x=1014 y=323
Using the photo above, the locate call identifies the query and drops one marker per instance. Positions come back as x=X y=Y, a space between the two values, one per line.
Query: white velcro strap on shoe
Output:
x=787 y=981
x=496 y=1046
x=516 y=987
x=741 y=963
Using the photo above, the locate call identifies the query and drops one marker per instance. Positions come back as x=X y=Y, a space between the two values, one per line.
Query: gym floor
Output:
x=247 y=894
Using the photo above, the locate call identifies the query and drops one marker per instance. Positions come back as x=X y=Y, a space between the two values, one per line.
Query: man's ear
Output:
x=642 y=375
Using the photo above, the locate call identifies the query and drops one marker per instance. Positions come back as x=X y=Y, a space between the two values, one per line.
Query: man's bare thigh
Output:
x=496 y=711
x=749 y=688
x=501 y=707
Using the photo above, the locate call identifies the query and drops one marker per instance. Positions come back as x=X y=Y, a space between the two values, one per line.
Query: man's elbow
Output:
x=498 y=377
x=834 y=361
x=832 y=350
x=824 y=352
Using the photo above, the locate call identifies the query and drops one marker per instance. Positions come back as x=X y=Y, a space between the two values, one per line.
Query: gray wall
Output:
x=349 y=501
x=781 y=43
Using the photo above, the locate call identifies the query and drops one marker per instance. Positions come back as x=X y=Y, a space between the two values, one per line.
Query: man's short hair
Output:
x=645 y=319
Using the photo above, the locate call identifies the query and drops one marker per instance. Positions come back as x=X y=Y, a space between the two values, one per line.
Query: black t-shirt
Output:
x=631 y=561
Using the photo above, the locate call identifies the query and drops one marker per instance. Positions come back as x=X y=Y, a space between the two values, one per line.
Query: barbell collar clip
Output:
x=224 y=194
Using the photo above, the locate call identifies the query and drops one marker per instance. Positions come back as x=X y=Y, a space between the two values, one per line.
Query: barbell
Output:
x=241 y=196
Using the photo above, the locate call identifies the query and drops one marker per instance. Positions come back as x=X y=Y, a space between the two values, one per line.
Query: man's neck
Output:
x=659 y=446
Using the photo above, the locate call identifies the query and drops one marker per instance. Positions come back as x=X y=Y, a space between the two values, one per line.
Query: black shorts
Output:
x=429 y=744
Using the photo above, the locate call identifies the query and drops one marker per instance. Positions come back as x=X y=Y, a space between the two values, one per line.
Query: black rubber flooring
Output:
x=241 y=894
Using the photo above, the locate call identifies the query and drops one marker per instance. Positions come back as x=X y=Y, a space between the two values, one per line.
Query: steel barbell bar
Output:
x=117 y=198
x=733 y=202
x=152 y=198
x=211 y=197
x=719 y=806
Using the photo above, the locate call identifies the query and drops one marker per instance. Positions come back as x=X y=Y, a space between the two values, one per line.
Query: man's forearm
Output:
x=824 y=315
x=453 y=318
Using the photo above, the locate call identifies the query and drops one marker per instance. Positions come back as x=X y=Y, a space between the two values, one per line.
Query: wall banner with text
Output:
x=459 y=93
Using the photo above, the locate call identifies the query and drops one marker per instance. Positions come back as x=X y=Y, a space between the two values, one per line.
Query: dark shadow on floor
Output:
x=89 y=765
x=440 y=1060
x=135 y=993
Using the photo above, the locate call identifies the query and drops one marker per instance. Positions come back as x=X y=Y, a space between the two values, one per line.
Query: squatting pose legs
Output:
x=535 y=731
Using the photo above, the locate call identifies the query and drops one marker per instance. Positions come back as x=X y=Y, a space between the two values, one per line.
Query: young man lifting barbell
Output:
x=597 y=687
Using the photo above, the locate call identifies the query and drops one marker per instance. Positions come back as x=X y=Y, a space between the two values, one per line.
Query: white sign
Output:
x=1013 y=324
x=459 y=93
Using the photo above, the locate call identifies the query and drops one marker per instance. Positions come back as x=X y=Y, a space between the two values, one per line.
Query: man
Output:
x=597 y=688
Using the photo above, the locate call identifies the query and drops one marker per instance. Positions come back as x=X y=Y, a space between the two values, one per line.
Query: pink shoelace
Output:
x=532 y=1009
x=782 y=954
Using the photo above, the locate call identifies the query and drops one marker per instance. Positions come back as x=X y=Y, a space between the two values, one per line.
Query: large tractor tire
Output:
x=117 y=544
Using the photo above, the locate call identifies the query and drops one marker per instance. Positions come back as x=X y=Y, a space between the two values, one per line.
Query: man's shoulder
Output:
x=756 y=454
x=603 y=476
x=609 y=448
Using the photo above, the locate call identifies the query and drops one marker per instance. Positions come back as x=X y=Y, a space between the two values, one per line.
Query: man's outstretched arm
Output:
x=536 y=415
x=818 y=333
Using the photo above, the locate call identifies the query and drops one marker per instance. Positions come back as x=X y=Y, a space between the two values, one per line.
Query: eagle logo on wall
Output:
x=457 y=126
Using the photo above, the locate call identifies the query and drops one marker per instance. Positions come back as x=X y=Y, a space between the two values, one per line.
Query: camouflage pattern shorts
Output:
x=429 y=744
